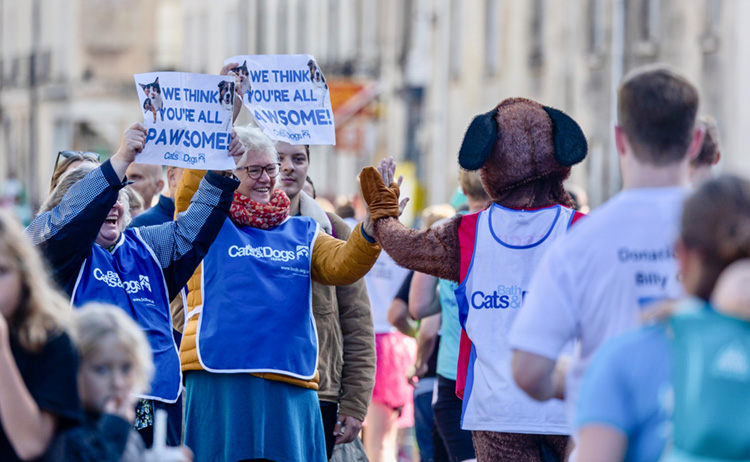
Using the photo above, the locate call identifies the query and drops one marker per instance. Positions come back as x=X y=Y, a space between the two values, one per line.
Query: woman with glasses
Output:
x=67 y=161
x=81 y=231
x=250 y=348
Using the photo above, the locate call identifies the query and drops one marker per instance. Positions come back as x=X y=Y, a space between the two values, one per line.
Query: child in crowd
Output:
x=37 y=359
x=116 y=361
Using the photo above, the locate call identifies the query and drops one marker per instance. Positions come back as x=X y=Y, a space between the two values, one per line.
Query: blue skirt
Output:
x=232 y=417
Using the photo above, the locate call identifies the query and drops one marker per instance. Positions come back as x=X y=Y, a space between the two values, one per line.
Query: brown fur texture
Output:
x=521 y=173
x=495 y=446
x=433 y=251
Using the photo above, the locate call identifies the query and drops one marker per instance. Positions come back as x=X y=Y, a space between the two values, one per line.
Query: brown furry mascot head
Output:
x=524 y=152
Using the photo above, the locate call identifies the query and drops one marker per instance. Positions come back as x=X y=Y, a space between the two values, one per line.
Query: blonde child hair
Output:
x=435 y=213
x=94 y=322
x=42 y=310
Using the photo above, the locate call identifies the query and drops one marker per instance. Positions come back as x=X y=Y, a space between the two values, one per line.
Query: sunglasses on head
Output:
x=68 y=154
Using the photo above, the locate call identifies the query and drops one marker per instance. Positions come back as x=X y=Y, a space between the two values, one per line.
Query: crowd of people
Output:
x=154 y=314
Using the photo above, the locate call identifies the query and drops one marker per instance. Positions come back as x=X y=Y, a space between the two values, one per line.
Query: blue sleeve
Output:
x=180 y=245
x=66 y=233
x=605 y=396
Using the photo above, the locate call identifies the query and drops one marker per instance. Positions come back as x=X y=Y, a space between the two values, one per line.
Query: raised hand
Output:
x=121 y=406
x=387 y=169
x=133 y=142
x=236 y=149
x=382 y=201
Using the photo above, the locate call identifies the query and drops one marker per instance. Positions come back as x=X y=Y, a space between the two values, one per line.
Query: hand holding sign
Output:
x=287 y=95
x=133 y=141
x=188 y=118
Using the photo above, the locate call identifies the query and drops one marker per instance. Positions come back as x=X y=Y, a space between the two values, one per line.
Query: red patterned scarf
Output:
x=247 y=212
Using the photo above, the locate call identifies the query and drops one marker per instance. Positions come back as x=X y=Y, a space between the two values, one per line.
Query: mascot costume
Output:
x=523 y=151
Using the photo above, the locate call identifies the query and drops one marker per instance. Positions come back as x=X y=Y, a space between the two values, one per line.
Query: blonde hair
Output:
x=64 y=164
x=94 y=322
x=471 y=183
x=252 y=138
x=135 y=201
x=74 y=176
x=41 y=310
x=435 y=213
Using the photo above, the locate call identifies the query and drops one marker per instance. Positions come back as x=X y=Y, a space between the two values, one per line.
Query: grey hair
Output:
x=252 y=138
x=66 y=181
x=74 y=176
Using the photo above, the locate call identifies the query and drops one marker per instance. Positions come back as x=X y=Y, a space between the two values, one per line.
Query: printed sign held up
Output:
x=287 y=95
x=188 y=117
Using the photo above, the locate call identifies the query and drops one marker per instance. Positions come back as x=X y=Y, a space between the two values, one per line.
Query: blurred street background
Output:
x=406 y=76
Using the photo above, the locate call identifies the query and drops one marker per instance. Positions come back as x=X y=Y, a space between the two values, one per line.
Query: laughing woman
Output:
x=81 y=231
x=250 y=348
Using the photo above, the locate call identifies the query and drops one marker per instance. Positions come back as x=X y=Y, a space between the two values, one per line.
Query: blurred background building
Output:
x=406 y=76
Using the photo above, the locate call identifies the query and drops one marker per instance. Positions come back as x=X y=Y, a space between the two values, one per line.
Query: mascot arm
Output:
x=434 y=251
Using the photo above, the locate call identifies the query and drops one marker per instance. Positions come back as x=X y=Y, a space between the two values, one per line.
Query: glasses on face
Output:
x=68 y=154
x=255 y=171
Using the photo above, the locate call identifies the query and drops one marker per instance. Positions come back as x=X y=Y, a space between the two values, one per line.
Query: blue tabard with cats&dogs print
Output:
x=131 y=278
x=257 y=301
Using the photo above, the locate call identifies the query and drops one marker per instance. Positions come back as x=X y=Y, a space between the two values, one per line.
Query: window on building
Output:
x=536 y=49
x=302 y=28
x=595 y=34
x=455 y=38
x=648 y=20
x=493 y=36
x=261 y=28
x=333 y=30
x=712 y=26
x=282 y=26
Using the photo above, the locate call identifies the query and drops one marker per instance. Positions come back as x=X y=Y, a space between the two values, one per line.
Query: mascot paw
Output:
x=382 y=201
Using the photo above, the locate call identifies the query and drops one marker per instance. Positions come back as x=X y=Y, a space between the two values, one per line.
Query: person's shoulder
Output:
x=644 y=341
x=340 y=226
x=59 y=341
x=156 y=215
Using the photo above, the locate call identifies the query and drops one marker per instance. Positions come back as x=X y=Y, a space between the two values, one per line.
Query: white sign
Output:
x=287 y=95
x=189 y=119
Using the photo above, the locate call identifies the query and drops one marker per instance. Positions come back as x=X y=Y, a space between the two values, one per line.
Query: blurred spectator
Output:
x=579 y=196
x=147 y=180
x=135 y=201
x=68 y=160
x=346 y=353
x=709 y=155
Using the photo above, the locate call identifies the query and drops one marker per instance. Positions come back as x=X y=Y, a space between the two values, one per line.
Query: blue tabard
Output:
x=257 y=301
x=131 y=278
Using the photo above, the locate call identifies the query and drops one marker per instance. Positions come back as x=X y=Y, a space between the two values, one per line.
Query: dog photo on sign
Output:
x=320 y=87
x=226 y=95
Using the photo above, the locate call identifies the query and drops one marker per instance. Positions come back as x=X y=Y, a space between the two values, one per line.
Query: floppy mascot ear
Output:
x=570 y=142
x=478 y=142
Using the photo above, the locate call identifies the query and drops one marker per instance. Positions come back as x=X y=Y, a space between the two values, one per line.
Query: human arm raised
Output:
x=66 y=232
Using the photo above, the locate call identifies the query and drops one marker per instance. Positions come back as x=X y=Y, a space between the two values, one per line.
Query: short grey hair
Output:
x=252 y=138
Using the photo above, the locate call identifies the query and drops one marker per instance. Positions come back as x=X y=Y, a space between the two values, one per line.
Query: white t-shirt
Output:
x=383 y=282
x=591 y=285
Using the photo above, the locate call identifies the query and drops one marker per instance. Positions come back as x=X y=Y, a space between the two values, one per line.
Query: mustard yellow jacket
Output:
x=334 y=262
